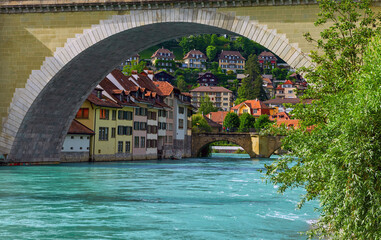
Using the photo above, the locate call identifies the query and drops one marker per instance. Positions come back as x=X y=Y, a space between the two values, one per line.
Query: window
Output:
x=103 y=114
x=128 y=147
x=181 y=123
x=120 y=146
x=255 y=110
x=181 y=110
x=151 y=115
x=83 y=113
x=226 y=99
x=170 y=116
x=225 y=93
x=136 y=125
x=142 y=142
x=289 y=91
x=124 y=115
x=113 y=130
x=136 y=142
x=235 y=111
x=143 y=126
x=113 y=115
x=170 y=126
x=245 y=111
x=103 y=133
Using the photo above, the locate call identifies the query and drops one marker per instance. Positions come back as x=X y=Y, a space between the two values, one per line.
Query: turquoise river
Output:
x=208 y=198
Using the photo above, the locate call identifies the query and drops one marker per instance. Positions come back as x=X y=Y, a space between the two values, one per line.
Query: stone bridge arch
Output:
x=253 y=143
x=40 y=113
x=202 y=140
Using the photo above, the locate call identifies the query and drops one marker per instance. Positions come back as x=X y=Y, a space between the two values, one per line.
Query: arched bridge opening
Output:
x=206 y=150
x=40 y=114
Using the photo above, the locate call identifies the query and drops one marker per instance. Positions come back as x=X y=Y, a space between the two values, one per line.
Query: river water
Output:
x=210 y=198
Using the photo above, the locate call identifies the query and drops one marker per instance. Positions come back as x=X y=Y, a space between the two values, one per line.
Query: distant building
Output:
x=279 y=103
x=268 y=86
x=207 y=79
x=220 y=97
x=231 y=60
x=134 y=60
x=267 y=60
x=195 y=59
x=286 y=90
x=253 y=107
x=163 y=59
x=163 y=76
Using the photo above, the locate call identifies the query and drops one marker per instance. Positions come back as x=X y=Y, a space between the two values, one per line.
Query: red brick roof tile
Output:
x=78 y=128
x=210 y=89
x=226 y=54
x=195 y=52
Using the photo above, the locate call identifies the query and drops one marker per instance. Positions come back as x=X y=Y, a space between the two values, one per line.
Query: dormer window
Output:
x=99 y=94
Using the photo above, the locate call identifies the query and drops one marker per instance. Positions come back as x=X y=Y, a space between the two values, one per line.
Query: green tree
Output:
x=199 y=124
x=211 y=52
x=138 y=66
x=280 y=74
x=206 y=106
x=181 y=84
x=252 y=86
x=262 y=122
x=338 y=162
x=231 y=121
x=246 y=122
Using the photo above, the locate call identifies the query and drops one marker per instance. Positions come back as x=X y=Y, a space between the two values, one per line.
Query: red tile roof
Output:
x=289 y=82
x=164 y=88
x=266 y=54
x=252 y=104
x=217 y=117
x=163 y=50
x=279 y=87
x=211 y=123
x=210 y=89
x=113 y=91
x=195 y=52
x=78 y=128
x=104 y=102
x=226 y=54
x=124 y=81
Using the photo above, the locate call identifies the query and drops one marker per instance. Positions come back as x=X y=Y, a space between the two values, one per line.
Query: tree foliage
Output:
x=231 y=121
x=338 y=162
x=211 y=52
x=138 y=66
x=199 y=124
x=262 y=122
x=181 y=84
x=252 y=86
x=206 y=106
x=246 y=122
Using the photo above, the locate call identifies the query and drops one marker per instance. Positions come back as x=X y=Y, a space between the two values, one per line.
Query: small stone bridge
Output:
x=253 y=143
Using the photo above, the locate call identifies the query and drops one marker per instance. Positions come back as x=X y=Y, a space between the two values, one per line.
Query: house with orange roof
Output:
x=195 y=59
x=254 y=107
x=289 y=89
x=163 y=59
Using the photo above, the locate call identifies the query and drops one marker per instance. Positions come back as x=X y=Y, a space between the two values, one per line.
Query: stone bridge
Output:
x=54 y=52
x=254 y=144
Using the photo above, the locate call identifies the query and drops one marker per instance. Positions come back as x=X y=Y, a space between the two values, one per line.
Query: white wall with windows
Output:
x=76 y=143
